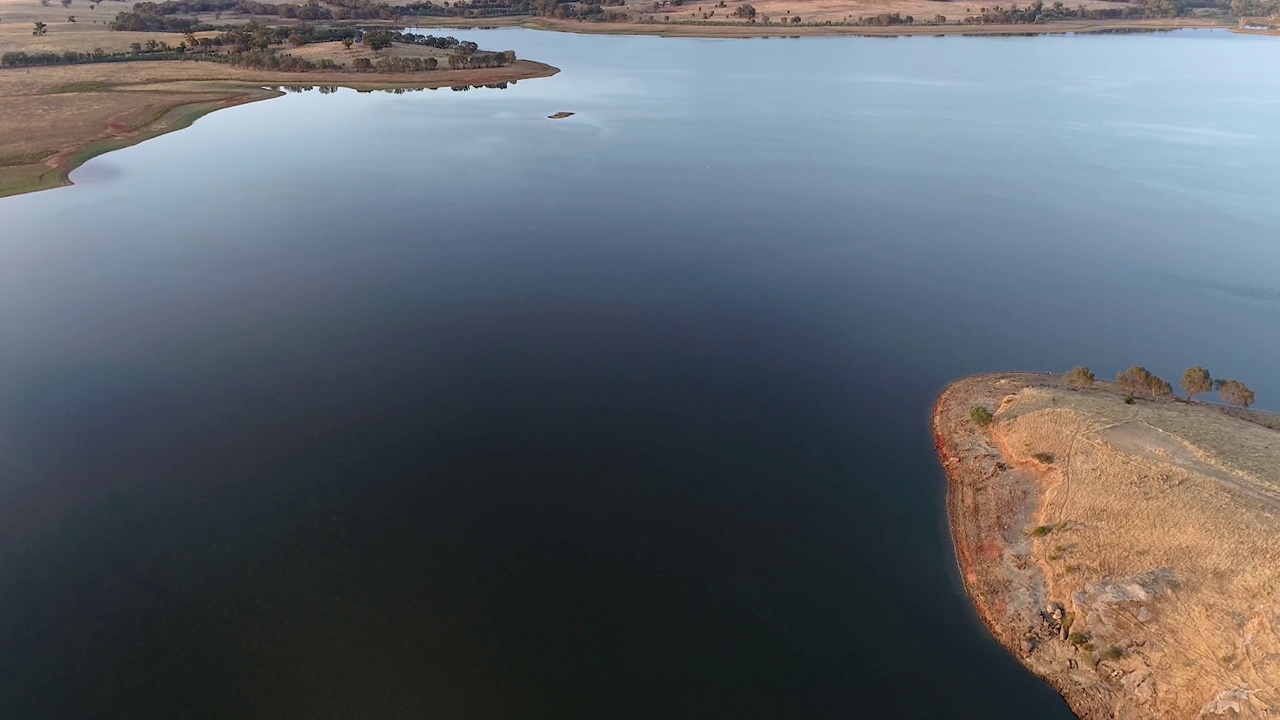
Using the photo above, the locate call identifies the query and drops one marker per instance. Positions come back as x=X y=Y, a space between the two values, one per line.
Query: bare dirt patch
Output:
x=1139 y=571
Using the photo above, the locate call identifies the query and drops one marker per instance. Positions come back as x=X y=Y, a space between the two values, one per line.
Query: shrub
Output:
x=1115 y=652
x=1042 y=530
x=1128 y=399
x=1080 y=376
x=1196 y=380
x=1044 y=457
x=1139 y=379
x=981 y=415
x=1078 y=638
x=1235 y=393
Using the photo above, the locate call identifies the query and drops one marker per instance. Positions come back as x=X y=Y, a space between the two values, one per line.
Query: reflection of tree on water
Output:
x=330 y=89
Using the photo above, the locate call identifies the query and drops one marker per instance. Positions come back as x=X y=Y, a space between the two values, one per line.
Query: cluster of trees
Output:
x=394 y=65
x=183 y=15
x=171 y=15
x=1255 y=8
x=589 y=10
x=254 y=46
x=258 y=36
x=362 y=10
x=477 y=8
x=481 y=60
x=151 y=47
x=340 y=9
x=71 y=57
x=134 y=21
x=417 y=64
x=260 y=59
x=1137 y=380
x=443 y=42
x=1037 y=12
x=884 y=19
x=311 y=10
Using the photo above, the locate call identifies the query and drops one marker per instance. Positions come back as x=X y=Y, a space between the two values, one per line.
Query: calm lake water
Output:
x=424 y=405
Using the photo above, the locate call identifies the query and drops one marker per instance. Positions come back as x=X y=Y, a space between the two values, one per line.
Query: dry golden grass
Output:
x=1159 y=534
x=336 y=52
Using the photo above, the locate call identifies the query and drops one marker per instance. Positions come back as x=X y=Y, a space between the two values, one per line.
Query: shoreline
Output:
x=230 y=88
x=986 y=507
x=743 y=30
x=1103 y=543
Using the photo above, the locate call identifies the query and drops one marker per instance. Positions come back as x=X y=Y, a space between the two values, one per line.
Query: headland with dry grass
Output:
x=1127 y=552
x=54 y=118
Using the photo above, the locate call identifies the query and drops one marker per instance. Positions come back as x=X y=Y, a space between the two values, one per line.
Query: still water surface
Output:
x=424 y=405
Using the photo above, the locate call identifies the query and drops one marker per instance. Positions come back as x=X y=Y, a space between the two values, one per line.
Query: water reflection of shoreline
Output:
x=330 y=89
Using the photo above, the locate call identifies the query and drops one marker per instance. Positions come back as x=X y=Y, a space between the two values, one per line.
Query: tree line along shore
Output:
x=1195 y=381
x=1137 y=381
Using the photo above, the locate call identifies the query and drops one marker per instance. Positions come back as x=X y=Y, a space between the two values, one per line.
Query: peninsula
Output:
x=1123 y=544
x=89 y=77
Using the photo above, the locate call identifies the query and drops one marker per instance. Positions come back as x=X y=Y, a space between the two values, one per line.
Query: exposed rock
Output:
x=1236 y=703
x=1103 y=605
x=1140 y=685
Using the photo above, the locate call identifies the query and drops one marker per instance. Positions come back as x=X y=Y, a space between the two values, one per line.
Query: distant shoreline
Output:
x=742 y=30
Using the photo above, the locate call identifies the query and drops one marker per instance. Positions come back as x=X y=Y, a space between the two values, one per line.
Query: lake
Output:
x=424 y=405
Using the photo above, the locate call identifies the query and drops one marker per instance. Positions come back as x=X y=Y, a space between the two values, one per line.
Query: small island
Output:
x=79 y=78
x=1123 y=543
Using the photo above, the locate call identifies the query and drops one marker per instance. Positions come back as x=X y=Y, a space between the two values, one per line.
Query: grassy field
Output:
x=1153 y=527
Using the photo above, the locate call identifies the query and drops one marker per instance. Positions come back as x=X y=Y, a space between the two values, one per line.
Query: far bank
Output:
x=739 y=30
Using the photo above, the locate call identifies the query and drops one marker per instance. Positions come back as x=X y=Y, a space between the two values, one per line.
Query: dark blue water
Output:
x=424 y=405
